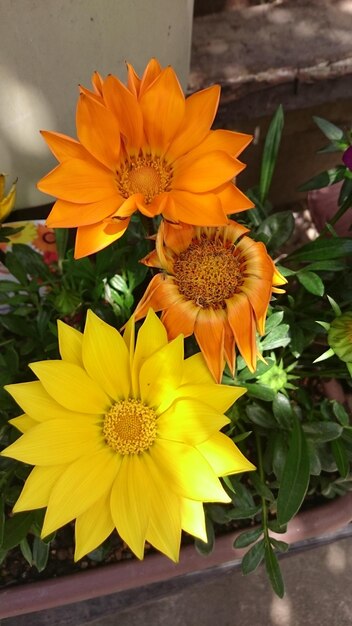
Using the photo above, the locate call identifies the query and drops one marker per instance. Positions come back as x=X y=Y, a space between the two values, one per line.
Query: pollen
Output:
x=209 y=272
x=130 y=427
x=146 y=174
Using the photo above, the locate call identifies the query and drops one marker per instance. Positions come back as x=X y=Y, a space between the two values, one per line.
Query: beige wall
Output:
x=47 y=47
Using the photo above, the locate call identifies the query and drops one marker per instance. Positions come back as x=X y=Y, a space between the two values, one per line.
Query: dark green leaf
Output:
x=329 y=266
x=40 y=553
x=314 y=459
x=340 y=413
x=332 y=132
x=260 y=487
x=298 y=340
x=279 y=455
x=283 y=411
x=324 y=179
x=260 y=416
x=323 y=249
x=26 y=551
x=311 y=282
x=261 y=392
x=276 y=338
x=270 y=152
x=295 y=476
x=16 y=528
x=253 y=557
x=322 y=431
x=247 y=537
x=16 y=268
x=243 y=512
x=282 y=546
x=340 y=455
x=2 y=519
x=273 y=570
x=278 y=228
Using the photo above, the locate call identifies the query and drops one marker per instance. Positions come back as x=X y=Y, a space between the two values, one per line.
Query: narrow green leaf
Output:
x=278 y=228
x=261 y=489
x=276 y=338
x=243 y=512
x=340 y=455
x=270 y=152
x=283 y=411
x=311 y=282
x=26 y=551
x=324 y=179
x=332 y=132
x=322 y=249
x=247 y=537
x=253 y=557
x=323 y=431
x=282 y=546
x=16 y=529
x=273 y=570
x=340 y=413
x=295 y=476
x=259 y=391
x=40 y=553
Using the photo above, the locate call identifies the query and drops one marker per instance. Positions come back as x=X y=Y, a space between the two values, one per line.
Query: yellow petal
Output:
x=70 y=343
x=37 y=403
x=190 y=421
x=98 y=131
x=164 y=529
x=130 y=502
x=219 y=397
x=71 y=386
x=82 y=483
x=56 y=441
x=93 y=527
x=37 y=488
x=7 y=203
x=224 y=456
x=187 y=472
x=23 y=423
x=195 y=371
x=193 y=518
x=161 y=374
x=106 y=357
x=151 y=337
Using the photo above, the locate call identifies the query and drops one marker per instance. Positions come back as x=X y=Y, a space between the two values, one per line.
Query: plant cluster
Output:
x=149 y=414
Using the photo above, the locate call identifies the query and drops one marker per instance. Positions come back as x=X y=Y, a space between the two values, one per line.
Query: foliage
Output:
x=299 y=440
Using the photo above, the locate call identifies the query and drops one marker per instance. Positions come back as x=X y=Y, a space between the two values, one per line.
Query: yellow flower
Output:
x=124 y=436
x=143 y=148
x=217 y=284
x=6 y=202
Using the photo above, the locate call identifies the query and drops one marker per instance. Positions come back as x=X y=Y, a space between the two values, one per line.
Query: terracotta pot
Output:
x=322 y=204
x=133 y=574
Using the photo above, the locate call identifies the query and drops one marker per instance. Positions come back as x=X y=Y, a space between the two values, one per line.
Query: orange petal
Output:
x=203 y=173
x=160 y=294
x=227 y=140
x=151 y=72
x=196 y=208
x=125 y=107
x=97 y=83
x=240 y=317
x=230 y=348
x=98 y=131
x=199 y=115
x=91 y=94
x=233 y=231
x=209 y=332
x=177 y=236
x=163 y=106
x=258 y=292
x=133 y=80
x=129 y=206
x=70 y=214
x=95 y=237
x=180 y=318
x=80 y=181
x=151 y=260
x=64 y=147
x=233 y=200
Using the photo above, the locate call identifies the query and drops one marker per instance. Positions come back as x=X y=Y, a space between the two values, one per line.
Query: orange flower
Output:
x=217 y=283
x=143 y=147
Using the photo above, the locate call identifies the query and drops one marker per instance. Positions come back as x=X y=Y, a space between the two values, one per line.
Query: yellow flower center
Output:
x=208 y=272
x=146 y=174
x=130 y=427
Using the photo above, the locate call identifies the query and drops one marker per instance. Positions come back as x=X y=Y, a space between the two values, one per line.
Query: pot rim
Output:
x=130 y=574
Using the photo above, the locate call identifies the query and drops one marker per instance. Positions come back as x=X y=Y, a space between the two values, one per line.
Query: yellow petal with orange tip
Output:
x=210 y=335
x=98 y=131
x=95 y=237
x=229 y=461
x=93 y=527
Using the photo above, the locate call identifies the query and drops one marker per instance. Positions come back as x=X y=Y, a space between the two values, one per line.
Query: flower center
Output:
x=130 y=427
x=146 y=174
x=208 y=272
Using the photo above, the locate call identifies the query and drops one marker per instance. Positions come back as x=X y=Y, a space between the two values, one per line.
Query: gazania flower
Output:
x=124 y=437
x=143 y=148
x=339 y=336
x=217 y=283
x=6 y=202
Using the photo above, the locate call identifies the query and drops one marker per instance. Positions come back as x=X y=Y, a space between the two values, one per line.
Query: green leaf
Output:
x=279 y=454
x=311 y=282
x=295 y=475
x=324 y=179
x=282 y=546
x=26 y=551
x=323 y=431
x=340 y=455
x=332 y=132
x=261 y=392
x=329 y=266
x=276 y=338
x=278 y=228
x=273 y=320
x=243 y=512
x=260 y=416
x=16 y=528
x=40 y=553
x=273 y=570
x=323 y=249
x=253 y=557
x=247 y=537
x=270 y=152
x=283 y=411
x=340 y=413
x=260 y=487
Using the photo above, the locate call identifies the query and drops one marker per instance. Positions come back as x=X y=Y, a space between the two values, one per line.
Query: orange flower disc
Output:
x=147 y=148
x=217 y=284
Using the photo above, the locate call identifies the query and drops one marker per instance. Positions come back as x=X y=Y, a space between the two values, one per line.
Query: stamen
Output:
x=146 y=174
x=130 y=427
